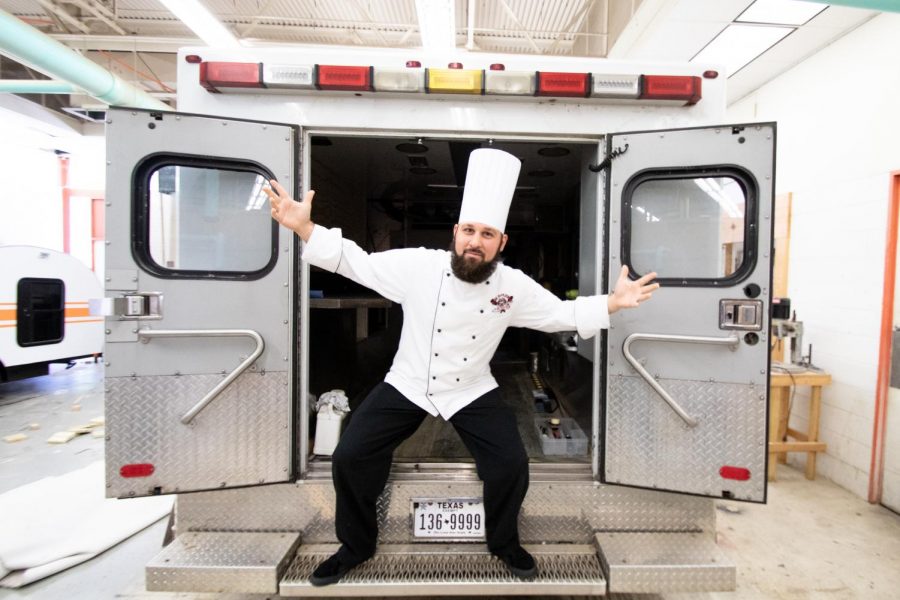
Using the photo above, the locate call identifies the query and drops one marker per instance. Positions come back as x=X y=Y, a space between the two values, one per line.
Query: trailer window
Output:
x=40 y=311
x=690 y=228
x=204 y=218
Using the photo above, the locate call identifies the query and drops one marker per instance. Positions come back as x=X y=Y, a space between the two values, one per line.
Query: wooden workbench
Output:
x=780 y=384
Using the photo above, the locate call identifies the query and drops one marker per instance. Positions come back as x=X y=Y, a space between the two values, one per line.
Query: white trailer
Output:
x=222 y=333
x=44 y=313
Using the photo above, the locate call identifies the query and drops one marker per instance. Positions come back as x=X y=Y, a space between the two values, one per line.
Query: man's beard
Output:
x=467 y=270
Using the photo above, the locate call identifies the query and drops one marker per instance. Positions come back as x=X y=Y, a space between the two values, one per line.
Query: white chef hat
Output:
x=490 y=182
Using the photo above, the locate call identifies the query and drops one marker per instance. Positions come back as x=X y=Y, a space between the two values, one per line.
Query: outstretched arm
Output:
x=290 y=213
x=628 y=293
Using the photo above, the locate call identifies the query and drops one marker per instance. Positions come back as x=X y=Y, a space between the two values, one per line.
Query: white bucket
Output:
x=328 y=430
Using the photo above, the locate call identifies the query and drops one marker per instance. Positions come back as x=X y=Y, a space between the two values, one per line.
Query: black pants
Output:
x=362 y=461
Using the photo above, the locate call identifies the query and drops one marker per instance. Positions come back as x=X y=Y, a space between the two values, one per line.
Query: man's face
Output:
x=476 y=248
x=478 y=243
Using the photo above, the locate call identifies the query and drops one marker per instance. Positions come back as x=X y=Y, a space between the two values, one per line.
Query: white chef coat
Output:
x=451 y=328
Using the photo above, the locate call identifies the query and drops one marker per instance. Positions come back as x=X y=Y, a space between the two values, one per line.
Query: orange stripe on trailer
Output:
x=73 y=321
x=7 y=314
x=78 y=312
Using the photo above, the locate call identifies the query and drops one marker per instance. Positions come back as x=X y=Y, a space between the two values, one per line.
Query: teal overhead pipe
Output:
x=882 y=5
x=26 y=44
x=37 y=86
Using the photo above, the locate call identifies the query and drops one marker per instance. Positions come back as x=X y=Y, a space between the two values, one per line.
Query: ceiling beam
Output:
x=521 y=27
x=95 y=9
x=53 y=9
x=132 y=43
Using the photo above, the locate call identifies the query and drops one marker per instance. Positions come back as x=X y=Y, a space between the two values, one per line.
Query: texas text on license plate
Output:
x=448 y=518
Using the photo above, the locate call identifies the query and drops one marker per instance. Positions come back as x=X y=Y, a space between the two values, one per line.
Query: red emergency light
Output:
x=137 y=470
x=736 y=473
x=574 y=85
x=349 y=79
x=215 y=75
x=671 y=87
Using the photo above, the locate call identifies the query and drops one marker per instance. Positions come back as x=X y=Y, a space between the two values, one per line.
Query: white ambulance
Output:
x=222 y=337
x=44 y=311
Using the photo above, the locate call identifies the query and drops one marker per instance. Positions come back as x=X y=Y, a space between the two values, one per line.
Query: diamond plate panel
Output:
x=452 y=569
x=243 y=437
x=222 y=562
x=551 y=513
x=648 y=445
x=665 y=562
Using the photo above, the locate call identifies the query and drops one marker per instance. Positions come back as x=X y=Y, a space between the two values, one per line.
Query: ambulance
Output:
x=221 y=338
x=45 y=314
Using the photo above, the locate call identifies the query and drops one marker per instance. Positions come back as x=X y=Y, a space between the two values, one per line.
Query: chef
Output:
x=456 y=306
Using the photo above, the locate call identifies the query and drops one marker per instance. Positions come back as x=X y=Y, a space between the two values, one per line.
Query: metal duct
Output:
x=27 y=45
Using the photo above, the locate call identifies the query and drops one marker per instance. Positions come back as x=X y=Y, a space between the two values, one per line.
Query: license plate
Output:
x=448 y=518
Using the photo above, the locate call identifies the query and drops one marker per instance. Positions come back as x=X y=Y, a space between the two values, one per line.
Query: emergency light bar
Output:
x=235 y=77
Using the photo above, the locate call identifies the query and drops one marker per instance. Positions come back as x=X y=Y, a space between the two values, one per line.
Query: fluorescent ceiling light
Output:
x=781 y=12
x=437 y=24
x=202 y=22
x=737 y=45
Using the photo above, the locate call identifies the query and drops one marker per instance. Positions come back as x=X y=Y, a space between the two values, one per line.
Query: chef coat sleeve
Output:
x=386 y=273
x=539 y=309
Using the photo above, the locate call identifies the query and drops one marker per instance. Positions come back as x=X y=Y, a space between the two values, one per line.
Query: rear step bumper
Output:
x=276 y=563
x=450 y=570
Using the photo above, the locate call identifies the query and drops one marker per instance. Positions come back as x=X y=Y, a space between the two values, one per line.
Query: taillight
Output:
x=351 y=79
x=576 y=85
x=672 y=87
x=216 y=75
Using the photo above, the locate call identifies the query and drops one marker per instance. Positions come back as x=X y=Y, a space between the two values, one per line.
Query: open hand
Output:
x=290 y=213
x=628 y=293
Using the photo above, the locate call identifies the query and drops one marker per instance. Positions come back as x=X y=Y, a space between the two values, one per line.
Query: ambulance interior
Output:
x=387 y=193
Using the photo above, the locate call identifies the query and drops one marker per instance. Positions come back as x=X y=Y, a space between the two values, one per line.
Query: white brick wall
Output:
x=838 y=141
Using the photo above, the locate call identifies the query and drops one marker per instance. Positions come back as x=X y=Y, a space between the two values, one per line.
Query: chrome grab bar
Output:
x=147 y=334
x=732 y=341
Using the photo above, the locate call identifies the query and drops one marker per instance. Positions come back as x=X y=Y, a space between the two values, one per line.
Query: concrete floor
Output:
x=812 y=540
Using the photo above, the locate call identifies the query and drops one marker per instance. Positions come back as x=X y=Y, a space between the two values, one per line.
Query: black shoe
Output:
x=330 y=571
x=519 y=562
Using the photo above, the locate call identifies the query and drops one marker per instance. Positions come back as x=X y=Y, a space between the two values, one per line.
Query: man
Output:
x=456 y=307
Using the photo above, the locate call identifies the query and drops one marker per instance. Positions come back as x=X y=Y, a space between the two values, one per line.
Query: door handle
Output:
x=732 y=340
x=145 y=335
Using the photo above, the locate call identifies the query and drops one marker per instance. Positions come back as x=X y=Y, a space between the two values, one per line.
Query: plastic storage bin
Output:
x=576 y=444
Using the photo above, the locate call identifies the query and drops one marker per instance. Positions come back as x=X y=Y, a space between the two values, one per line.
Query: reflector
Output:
x=137 y=470
x=736 y=473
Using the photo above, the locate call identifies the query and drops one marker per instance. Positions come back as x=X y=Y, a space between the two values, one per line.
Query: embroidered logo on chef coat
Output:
x=501 y=302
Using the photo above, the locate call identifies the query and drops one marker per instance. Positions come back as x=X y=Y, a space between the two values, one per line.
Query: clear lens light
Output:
x=202 y=22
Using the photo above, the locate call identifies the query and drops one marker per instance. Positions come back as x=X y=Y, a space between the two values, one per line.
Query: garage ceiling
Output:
x=137 y=39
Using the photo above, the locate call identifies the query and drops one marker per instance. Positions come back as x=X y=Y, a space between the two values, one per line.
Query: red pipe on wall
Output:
x=876 y=467
x=66 y=195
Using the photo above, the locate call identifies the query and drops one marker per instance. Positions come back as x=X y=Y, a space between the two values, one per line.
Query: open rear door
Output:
x=687 y=373
x=199 y=343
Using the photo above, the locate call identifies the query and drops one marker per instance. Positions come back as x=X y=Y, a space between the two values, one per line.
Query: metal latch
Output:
x=138 y=306
x=746 y=315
